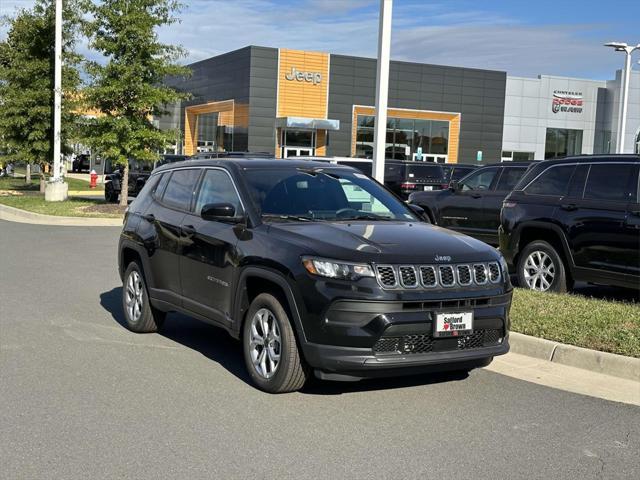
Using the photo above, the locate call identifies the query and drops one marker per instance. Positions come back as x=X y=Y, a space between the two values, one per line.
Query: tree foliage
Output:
x=128 y=85
x=27 y=81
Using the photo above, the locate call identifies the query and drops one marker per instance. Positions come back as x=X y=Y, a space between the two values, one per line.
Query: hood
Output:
x=385 y=242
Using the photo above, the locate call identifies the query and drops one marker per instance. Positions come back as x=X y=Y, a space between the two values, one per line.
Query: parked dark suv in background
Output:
x=575 y=219
x=472 y=205
x=315 y=267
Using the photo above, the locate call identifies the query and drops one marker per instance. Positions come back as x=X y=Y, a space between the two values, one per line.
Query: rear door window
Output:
x=509 y=178
x=611 y=182
x=180 y=190
x=554 y=181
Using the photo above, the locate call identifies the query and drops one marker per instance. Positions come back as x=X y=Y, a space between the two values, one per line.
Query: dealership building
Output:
x=292 y=102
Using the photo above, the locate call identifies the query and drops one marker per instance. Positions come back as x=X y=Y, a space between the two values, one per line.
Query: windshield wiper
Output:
x=368 y=217
x=299 y=218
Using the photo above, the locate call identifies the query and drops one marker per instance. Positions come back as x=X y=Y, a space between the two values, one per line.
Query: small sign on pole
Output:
x=479 y=156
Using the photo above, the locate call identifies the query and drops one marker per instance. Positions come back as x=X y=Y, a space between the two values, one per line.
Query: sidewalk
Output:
x=22 y=216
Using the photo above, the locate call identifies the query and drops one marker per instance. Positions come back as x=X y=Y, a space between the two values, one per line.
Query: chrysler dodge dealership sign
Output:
x=569 y=102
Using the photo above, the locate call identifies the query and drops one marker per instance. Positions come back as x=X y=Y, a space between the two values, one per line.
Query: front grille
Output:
x=408 y=277
x=464 y=275
x=494 y=272
x=480 y=274
x=425 y=343
x=387 y=276
x=437 y=276
x=428 y=276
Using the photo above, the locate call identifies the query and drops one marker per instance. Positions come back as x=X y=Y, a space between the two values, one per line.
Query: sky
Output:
x=523 y=38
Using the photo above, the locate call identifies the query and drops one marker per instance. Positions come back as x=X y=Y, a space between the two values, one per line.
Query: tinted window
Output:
x=576 y=187
x=614 y=182
x=424 y=171
x=509 y=178
x=554 y=181
x=180 y=188
x=143 y=198
x=157 y=192
x=480 y=180
x=217 y=187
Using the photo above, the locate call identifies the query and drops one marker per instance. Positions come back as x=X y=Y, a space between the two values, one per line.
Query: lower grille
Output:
x=425 y=343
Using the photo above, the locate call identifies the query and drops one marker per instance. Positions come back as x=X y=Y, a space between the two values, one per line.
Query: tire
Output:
x=552 y=278
x=140 y=316
x=110 y=194
x=290 y=372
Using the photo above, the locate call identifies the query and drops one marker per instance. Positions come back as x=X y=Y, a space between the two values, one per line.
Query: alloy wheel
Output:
x=539 y=271
x=264 y=343
x=134 y=300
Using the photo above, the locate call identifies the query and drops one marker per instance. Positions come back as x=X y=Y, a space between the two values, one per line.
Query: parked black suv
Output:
x=315 y=267
x=472 y=205
x=575 y=219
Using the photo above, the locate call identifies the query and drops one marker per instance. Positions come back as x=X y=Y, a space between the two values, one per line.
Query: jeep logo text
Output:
x=311 y=77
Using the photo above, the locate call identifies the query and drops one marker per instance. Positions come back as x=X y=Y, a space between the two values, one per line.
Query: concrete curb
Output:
x=12 y=214
x=592 y=360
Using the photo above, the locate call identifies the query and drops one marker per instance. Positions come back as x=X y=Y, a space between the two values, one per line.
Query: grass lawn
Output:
x=604 y=325
x=10 y=183
x=73 y=207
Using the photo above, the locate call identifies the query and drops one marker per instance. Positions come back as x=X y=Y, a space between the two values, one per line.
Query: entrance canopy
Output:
x=311 y=123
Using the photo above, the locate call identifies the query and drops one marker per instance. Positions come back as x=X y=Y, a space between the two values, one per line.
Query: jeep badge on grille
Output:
x=442 y=258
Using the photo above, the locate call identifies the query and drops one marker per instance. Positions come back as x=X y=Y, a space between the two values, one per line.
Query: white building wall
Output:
x=528 y=112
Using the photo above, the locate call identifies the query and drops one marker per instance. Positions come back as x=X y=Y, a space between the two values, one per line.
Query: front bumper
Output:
x=385 y=338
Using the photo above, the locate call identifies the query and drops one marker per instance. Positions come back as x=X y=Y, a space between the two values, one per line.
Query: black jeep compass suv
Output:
x=315 y=267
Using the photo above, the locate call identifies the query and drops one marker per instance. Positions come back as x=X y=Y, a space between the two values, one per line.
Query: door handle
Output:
x=569 y=207
x=476 y=195
x=149 y=217
x=188 y=230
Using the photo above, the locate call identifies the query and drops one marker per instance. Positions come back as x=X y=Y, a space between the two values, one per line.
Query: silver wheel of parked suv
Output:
x=270 y=348
x=541 y=268
x=139 y=314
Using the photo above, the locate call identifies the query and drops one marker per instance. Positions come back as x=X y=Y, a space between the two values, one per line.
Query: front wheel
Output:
x=140 y=315
x=271 y=353
x=541 y=268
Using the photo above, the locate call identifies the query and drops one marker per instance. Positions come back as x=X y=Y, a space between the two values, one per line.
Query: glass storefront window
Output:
x=404 y=137
x=213 y=137
x=562 y=142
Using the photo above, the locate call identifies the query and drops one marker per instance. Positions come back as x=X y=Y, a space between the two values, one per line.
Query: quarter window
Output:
x=217 y=187
x=611 y=182
x=180 y=189
x=554 y=181
x=157 y=192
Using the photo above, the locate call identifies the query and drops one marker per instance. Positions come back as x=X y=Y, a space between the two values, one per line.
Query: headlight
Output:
x=336 y=269
x=504 y=267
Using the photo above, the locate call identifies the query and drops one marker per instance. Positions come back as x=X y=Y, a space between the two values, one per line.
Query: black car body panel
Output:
x=598 y=237
x=212 y=269
x=473 y=211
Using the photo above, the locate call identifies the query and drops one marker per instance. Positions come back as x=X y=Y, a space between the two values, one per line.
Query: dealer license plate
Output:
x=453 y=324
x=428 y=187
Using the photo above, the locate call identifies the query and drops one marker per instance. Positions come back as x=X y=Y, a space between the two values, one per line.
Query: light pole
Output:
x=382 y=89
x=622 y=111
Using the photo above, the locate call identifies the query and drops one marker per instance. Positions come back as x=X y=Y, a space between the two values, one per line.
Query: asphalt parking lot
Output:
x=82 y=397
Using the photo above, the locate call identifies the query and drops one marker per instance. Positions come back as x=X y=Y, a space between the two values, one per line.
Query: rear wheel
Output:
x=541 y=268
x=140 y=315
x=271 y=352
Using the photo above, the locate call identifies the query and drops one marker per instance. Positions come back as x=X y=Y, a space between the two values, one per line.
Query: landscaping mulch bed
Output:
x=103 y=209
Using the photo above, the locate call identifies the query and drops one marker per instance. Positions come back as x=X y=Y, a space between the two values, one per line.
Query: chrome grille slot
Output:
x=428 y=276
x=447 y=276
x=480 y=274
x=387 y=276
x=494 y=272
x=464 y=274
x=408 y=276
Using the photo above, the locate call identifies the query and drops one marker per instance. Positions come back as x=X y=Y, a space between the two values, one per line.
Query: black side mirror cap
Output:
x=221 y=212
x=419 y=211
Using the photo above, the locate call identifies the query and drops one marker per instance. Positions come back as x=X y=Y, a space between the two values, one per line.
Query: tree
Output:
x=26 y=82
x=128 y=88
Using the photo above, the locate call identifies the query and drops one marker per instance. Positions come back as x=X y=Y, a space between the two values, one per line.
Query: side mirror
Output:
x=222 y=212
x=454 y=186
x=419 y=211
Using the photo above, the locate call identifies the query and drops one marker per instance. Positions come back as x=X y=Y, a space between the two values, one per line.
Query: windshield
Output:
x=321 y=194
